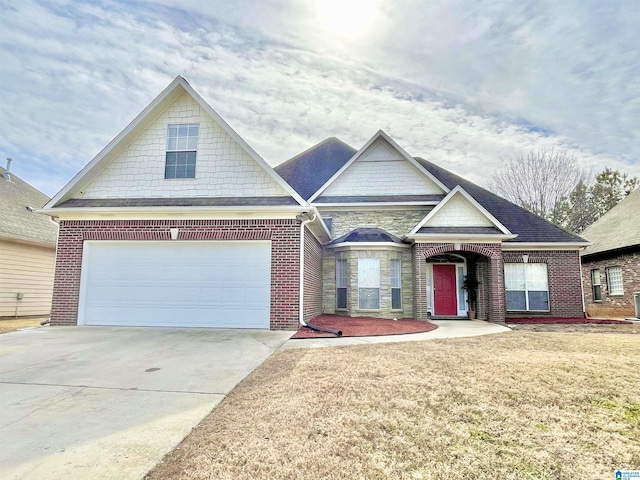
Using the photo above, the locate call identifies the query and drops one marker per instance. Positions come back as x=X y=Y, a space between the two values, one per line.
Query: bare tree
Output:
x=540 y=181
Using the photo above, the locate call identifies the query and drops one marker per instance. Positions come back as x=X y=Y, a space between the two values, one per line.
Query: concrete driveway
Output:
x=108 y=403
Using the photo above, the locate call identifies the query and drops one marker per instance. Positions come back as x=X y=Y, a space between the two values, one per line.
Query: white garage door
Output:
x=181 y=284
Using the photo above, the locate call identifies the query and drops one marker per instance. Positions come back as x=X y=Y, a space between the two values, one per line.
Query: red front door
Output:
x=445 y=298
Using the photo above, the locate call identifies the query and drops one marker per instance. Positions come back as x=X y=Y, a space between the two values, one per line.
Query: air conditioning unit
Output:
x=636 y=302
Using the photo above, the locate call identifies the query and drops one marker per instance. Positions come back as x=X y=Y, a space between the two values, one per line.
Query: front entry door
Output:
x=445 y=300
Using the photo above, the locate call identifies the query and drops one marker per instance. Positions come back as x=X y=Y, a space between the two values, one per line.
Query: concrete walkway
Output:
x=446 y=329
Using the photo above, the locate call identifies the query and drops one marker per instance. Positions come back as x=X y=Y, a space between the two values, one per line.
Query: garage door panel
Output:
x=215 y=284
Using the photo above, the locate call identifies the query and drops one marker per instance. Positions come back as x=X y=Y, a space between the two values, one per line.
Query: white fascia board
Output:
x=368 y=245
x=142 y=120
x=364 y=148
x=176 y=212
x=386 y=205
x=448 y=237
x=515 y=246
x=470 y=199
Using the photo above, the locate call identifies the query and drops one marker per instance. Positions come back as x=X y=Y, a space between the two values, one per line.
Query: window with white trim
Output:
x=526 y=287
x=396 y=284
x=342 y=280
x=368 y=284
x=596 y=288
x=182 y=145
x=614 y=281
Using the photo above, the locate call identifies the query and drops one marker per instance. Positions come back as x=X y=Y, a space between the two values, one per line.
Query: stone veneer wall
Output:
x=612 y=305
x=285 y=257
x=397 y=222
x=385 y=257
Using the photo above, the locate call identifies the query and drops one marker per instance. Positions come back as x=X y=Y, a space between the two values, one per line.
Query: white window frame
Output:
x=342 y=281
x=596 y=281
x=395 y=267
x=181 y=143
x=526 y=290
x=615 y=274
x=368 y=280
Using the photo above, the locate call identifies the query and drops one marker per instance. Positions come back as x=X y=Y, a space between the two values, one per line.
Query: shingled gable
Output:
x=460 y=209
x=176 y=89
x=381 y=142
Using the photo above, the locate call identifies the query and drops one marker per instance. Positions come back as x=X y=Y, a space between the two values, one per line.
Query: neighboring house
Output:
x=611 y=265
x=27 y=249
x=179 y=222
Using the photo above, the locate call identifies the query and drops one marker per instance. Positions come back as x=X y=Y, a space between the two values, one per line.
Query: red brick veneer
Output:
x=565 y=289
x=285 y=259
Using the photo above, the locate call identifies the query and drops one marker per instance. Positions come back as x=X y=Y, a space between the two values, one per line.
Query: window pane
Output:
x=183 y=130
x=538 y=300
x=597 y=293
x=173 y=131
x=516 y=300
x=193 y=130
x=396 y=274
x=396 y=299
x=341 y=272
x=182 y=144
x=536 y=276
x=614 y=280
x=368 y=273
x=595 y=277
x=192 y=143
x=369 y=298
x=191 y=171
x=341 y=297
x=169 y=171
x=172 y=144
x=514 y=276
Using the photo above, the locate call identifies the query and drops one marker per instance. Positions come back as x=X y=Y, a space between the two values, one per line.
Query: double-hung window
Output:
x=396 y=284
x=182 y=145
x=368 y=284
x=596 y=288
x=341 y=283
x=614 y=281
x=527 y=287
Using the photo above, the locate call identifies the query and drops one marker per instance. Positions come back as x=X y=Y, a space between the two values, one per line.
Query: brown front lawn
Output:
x=519 y=405
x=11 y=325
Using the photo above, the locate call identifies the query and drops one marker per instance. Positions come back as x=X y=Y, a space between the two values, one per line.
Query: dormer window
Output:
x=182 y=145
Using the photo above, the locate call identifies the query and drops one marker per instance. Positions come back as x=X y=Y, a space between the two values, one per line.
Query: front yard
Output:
x=519 y=405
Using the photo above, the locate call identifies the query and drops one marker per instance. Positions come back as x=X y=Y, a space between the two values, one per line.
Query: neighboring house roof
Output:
x=17 y=221
x=529 y=227
x=379 y=199
x=310 y=170
x=367 y=235
x=616 y=229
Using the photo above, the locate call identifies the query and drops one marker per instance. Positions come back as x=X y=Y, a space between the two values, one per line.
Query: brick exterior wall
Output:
x=285 y=258
x=563 y=271
x=612 y=305
x=491 y=303
x=312 y=276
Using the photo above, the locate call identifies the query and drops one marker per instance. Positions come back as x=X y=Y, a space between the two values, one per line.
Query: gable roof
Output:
x=616 y=229
x=159 y=104
x=459 y=191
x=529 y=227
x=378 y=135
x=17 y=221
x=309 y=170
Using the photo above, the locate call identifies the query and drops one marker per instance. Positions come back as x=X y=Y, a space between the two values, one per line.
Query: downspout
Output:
x=303 y=224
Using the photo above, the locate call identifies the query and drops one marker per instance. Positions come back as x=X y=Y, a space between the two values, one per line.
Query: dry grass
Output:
x=12 y=325
x=519 y=405
x=626 y=328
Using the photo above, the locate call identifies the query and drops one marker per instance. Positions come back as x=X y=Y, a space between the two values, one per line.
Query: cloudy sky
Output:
x=465 y=83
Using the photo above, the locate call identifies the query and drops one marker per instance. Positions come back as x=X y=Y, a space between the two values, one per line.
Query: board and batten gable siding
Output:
x=29 y=270
x=382 y=171
x=223 y=167
x=458 y=212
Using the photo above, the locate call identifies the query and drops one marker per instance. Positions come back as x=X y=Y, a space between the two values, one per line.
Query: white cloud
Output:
x=467 y=85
